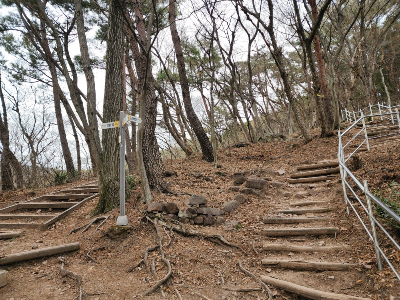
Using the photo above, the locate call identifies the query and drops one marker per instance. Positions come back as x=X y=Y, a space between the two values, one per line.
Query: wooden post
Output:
x=373 y=228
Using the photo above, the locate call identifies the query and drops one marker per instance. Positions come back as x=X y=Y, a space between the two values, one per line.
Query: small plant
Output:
x=60 y=177
x=132 y=182
x=238 y=226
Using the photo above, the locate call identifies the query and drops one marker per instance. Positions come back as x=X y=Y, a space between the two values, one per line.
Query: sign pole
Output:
x=122 y=220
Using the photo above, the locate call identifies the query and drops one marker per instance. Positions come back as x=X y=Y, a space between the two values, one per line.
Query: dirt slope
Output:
x=202 y=269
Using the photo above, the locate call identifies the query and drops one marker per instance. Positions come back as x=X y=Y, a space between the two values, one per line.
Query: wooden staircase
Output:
x=43 y=211
x=317 y=172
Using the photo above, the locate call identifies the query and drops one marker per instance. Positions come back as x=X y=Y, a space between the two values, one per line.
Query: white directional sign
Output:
x=127 y=119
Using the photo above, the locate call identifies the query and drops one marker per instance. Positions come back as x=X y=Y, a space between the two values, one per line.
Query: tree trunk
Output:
x=109 y=176
x=194 y=121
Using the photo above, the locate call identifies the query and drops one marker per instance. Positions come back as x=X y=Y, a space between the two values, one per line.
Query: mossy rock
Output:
x=118 y=231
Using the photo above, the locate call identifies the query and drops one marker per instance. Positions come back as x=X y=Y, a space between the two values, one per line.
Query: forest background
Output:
x=201 y=75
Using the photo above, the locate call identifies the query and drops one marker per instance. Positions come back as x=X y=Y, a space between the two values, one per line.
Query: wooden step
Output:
x=65 y=196
x=81 y=190
x=309 y=203
x=300 y=231
x=25 y=216
x=300 y=248
x=304 y=211
x=34 y=205
x=4 y=235
x=320 y=165
x=306 y=291
x=307 y=265
x=309 y=179
x=294 y=220
x=20 y=225
x=315 y=173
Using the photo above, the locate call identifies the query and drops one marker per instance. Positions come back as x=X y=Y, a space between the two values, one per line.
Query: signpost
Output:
x=123 y=119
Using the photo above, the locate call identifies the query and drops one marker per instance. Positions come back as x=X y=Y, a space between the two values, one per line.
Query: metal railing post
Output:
x=365 y=130
x=373 y=227
x=370 y=109
x=391 y=114
x=398 y=118
x=342 y=172
x=380 y=110
x=354 y=116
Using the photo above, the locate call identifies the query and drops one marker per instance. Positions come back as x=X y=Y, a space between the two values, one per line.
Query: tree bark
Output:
x=194 y=121
x=113 y=98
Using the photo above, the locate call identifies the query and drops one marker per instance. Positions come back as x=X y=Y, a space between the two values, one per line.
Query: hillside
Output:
x=205 y=266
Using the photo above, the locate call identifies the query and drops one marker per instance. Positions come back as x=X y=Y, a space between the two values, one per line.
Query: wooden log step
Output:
x=4 y=235
x=25 y=216
x=20 y=225
x=309 y=203
x=33 y=254
x=327 y=164
x=304 y=211
x=294 y=220
x=306 y=291
x=307 y=265
x=309 y=179
x=300 y=231
x=33 y=205
x=300 y=248
x=81 y=190
x=65 y=196
x=316 y=173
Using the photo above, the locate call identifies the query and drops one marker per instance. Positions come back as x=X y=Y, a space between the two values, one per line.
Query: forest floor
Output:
x=201 y=268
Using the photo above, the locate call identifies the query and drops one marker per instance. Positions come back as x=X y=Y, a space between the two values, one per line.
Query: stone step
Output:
x=305 y=211
x=279 y=220
x=300 y=231
x=308 y=265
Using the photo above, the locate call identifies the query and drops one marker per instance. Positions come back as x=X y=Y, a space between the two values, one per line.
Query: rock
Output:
x=287 y=194
x=230 y=206
x=301 y=195
x=199 y=220
x=234 y=188
x=185 y=220
x=182 y=214
x=117 y=231
x=276 y=184
x=155 y=207
x=171 y=208
x=203 y=211
x=240 y=180
x=258 y=184
x=214 y=211
x=249 y=191
x=169 y=173
x=233 y=224
x=197 y=200
x=208 y=178
x=208 y=221
x=35 y=246
x=173 y=217
x=281 y=172
x=240 y=198
x=220 y=220
x=191 y=211
x=197 y=175
x=3 y=277
x=237 y=175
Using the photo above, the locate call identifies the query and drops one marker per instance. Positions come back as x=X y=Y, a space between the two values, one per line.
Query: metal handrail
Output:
x=370 y=198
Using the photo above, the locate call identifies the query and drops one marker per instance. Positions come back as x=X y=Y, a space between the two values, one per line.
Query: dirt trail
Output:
x=202 y=268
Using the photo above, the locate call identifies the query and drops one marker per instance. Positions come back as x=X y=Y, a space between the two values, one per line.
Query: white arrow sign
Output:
x=129 y=118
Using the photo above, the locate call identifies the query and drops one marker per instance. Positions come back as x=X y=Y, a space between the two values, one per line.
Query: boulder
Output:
x=214 y=211
x=220 y=220
x=203 y=211
x=249 y=191
x=197 y=200
x=234 y=188
x=209 y=221
x=240 y=180
x=276 y=184
x=3 y=277
x=199 y=220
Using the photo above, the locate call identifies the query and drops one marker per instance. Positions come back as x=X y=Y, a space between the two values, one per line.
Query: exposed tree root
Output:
x=202 y=296
x=178 y=294
x=87 y=226
x=242 y=290
x=215 y=238
x=263 y=285
x=144 y=260
x=72 y=275
x=165 y=261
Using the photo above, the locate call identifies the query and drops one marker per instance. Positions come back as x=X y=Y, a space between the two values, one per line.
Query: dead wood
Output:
x=165 y=261
x=38 y=253
x=327 y=164
x=263 y=285
x=307 y=292
x=9 y=235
